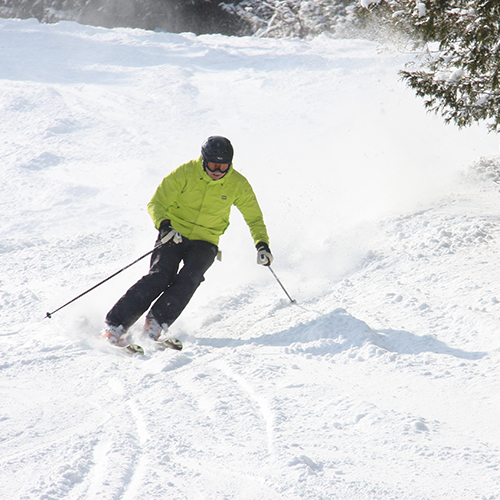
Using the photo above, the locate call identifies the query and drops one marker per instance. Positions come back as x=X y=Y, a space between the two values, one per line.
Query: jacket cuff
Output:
x=262 y=245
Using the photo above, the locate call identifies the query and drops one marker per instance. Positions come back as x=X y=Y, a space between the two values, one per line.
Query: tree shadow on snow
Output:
x=338 y=332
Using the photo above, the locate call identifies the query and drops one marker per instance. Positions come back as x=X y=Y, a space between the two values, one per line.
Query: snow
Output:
x=381 y=382
x=367 y=3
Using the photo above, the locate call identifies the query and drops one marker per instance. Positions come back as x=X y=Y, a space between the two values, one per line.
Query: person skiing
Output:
x=190 y=208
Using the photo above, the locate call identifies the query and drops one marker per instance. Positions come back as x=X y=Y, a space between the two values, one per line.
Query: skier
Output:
x=190 y=209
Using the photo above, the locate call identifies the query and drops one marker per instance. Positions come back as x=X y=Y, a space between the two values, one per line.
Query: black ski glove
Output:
x=264 y=255
x=167 y=232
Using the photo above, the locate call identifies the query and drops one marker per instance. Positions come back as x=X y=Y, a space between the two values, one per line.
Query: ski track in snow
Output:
x=381 y=383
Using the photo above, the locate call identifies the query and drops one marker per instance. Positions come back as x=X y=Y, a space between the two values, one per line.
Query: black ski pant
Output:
x=166 y=286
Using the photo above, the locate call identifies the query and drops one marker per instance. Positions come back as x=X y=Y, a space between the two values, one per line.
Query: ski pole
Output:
x=49 y=314
x=293 y=301
x=171 y=235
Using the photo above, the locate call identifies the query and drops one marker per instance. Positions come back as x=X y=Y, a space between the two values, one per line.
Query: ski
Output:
x=171 y=343
x=131 y=349
x=160 y=345
x=124 y=346
x=128 y=349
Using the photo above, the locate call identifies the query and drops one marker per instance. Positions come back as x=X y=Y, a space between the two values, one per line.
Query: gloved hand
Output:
x=264 y=255
x=167 y=232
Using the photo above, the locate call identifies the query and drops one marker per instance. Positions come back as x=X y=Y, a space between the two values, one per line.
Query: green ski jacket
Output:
x=199 y=207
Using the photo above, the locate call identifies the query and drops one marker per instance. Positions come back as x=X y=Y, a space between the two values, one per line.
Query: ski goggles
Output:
x=217 y=167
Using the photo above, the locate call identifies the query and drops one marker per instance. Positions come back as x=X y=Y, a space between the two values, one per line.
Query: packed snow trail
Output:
x=380 y=383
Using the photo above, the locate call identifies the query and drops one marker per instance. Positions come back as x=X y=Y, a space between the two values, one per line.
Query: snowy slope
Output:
x=382 y=382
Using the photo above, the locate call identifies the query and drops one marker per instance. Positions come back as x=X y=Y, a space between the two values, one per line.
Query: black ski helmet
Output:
x=217 y=149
